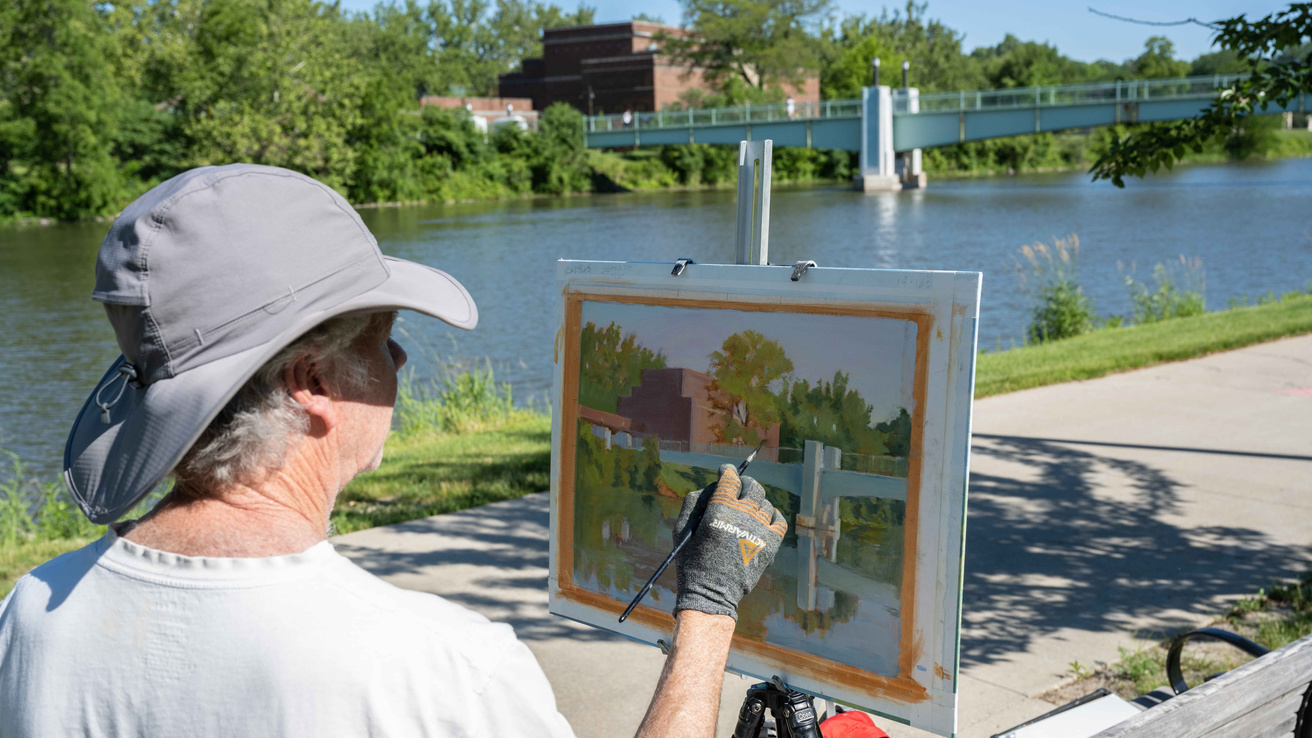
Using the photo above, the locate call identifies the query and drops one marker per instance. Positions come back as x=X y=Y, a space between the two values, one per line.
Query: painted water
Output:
x=1250 y=224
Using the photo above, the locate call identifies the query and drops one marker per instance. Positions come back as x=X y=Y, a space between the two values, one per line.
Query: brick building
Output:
x=620 y=64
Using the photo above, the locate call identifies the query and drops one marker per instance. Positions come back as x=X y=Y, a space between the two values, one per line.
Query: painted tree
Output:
x=829 y=412
x=742 y=373
x=611 y=364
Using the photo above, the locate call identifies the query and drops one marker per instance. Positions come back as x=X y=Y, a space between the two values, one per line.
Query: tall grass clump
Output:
x=1049 y=276
x=34 y=510
x=453 y=403
x=1177 y=291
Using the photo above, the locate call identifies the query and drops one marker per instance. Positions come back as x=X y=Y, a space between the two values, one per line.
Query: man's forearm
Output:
x=687 y=699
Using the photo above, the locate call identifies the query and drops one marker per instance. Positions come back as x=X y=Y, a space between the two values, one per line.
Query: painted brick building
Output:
x=620 y=64
x=675 y=405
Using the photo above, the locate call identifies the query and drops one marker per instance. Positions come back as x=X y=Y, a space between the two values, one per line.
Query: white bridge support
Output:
x=820 y=482
x=882 y=169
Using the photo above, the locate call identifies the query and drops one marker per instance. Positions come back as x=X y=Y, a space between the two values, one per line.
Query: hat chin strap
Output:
x=127 y=373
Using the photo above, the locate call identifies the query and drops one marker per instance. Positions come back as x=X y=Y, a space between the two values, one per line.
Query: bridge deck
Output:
x=921 y=121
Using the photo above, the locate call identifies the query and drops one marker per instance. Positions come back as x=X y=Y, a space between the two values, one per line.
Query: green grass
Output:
x=1119 y=349
x=440 y=473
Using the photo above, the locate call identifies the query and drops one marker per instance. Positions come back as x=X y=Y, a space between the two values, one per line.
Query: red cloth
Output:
x=851 y=725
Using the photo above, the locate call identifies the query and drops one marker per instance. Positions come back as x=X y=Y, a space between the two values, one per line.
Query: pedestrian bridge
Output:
x=886 y=122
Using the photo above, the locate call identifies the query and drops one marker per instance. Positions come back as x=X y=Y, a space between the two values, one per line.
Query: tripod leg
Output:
x=797 y=718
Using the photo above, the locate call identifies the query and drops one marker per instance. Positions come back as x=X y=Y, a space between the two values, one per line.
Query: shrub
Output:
x=1060 y=308
x=1178 y=292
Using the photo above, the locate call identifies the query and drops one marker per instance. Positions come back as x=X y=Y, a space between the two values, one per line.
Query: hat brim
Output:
x=110 y=467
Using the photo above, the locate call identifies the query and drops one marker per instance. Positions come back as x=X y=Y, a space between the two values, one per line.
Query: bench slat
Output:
x=1212 y=706
x=1273 y=720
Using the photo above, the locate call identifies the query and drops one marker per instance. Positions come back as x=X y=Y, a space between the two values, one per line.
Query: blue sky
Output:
x=1066 y=23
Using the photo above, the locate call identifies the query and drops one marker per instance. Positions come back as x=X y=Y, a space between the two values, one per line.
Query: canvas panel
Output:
x=857 y=381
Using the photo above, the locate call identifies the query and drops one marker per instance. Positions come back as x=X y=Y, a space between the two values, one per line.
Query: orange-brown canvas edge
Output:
x=904 y=688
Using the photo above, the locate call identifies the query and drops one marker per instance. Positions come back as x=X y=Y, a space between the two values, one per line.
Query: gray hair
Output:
x=255 y=429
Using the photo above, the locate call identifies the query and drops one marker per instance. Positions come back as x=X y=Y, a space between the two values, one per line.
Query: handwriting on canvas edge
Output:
x=917 y=281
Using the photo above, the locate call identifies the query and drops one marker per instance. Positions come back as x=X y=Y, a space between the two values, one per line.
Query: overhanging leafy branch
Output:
x=1273 y=80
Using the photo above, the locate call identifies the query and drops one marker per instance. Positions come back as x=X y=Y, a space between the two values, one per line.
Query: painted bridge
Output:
x=890 y=126
x=820 y=482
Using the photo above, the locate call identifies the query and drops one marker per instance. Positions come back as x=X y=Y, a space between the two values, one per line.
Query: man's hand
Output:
x=737 y=539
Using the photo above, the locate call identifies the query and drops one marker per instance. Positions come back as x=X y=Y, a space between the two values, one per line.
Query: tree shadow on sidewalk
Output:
x=1060 y=537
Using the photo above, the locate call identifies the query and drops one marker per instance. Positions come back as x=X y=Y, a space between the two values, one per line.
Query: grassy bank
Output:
x=1119 y=349
x=460 y=443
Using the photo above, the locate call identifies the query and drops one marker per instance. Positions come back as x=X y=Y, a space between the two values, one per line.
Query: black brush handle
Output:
x=694 y=521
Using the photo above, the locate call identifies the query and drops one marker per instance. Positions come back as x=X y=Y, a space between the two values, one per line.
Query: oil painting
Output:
x=856 y=386
x=666 y=394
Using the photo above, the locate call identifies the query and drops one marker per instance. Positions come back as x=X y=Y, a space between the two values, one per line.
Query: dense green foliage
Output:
x=99 y=102
x=742 y=374
x=611 y=365
x=835 y=415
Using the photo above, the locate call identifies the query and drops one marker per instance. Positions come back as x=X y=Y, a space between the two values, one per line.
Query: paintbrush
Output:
x=694 y=520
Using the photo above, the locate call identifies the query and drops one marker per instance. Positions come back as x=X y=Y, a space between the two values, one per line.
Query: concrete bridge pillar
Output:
x=881 y=168
x=908 y=168
x=877 y=157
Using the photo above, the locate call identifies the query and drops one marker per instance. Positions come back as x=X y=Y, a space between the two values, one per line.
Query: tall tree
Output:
x=611 y=364
x=932 y=48
x=1276 y=76
x=61 y=108
x=756 y=43
x=741 y=374
x=1158 y=60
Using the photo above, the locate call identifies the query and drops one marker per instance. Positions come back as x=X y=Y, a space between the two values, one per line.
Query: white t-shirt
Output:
x=117 y=639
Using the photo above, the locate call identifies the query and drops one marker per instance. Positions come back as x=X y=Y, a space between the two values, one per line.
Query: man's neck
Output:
x=286 y=513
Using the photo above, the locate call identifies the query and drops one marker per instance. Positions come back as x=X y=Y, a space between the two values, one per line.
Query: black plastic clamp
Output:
x=800 y=268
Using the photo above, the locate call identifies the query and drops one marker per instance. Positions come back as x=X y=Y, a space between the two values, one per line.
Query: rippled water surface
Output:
x=1250 y=224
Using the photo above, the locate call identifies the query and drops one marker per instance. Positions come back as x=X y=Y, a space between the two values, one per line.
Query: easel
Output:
x=794 y=712
x=752 y=242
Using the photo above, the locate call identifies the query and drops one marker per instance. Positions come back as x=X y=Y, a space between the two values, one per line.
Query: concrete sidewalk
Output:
x=1102 y=514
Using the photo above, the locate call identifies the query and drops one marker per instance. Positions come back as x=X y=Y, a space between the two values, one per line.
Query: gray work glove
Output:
x=737 y=539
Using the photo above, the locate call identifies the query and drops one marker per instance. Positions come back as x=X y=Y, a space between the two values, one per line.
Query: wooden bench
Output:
x=1269 y=697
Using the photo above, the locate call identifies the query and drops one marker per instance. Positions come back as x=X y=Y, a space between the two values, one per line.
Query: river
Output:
x=1250 y=224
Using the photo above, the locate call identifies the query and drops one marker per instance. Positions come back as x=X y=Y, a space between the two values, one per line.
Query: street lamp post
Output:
x=875 y=66
x=906 y=67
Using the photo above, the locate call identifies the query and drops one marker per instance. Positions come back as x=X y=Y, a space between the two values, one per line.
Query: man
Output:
x=254 y=312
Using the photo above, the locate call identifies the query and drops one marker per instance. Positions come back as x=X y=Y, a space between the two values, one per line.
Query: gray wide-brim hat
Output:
x=205 y=278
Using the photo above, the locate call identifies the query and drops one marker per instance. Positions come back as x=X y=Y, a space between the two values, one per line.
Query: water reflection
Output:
x=828 y=594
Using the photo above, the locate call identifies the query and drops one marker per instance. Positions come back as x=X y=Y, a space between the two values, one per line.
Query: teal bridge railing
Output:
x=922 y=120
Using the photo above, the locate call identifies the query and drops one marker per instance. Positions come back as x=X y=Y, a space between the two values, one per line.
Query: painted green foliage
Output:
x=742 y=373
x=611 y=364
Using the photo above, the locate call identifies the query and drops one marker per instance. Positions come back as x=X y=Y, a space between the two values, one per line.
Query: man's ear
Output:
x=307 y=386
